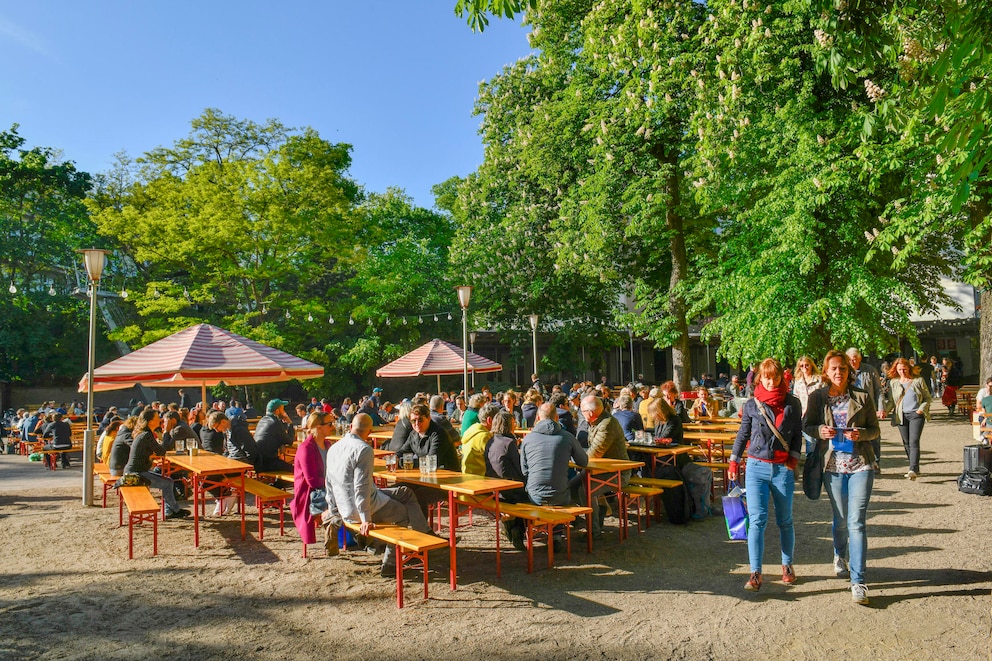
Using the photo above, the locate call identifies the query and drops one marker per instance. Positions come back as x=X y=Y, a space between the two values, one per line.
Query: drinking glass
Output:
x=408 y=462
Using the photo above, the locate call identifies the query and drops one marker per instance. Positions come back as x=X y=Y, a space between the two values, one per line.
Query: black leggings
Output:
x=911 y=429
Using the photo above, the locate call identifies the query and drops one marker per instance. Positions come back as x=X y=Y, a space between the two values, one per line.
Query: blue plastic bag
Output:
x=735 y=512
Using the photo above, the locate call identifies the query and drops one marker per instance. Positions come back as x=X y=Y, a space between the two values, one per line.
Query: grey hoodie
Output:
x=544 y=456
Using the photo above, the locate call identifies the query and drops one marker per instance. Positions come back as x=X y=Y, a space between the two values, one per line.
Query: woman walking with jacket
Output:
x=909 y=402
x=771 y=428
x=843 y=418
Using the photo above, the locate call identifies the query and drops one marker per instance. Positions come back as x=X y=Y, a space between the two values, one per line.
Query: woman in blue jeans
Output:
x=771 y=428
x=843 y=418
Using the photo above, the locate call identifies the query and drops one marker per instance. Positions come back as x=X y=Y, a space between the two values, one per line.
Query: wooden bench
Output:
x=539 y=517
x=51 y=456
x=285 y=476
x=655 y=483
x=141 y=508
x=409 y=544
x=266 y=495
x=102 y=472
x=717 y=466
x=639 y=493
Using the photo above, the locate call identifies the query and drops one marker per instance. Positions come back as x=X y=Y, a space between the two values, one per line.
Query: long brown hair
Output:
x=145 y=419
x=914 y=371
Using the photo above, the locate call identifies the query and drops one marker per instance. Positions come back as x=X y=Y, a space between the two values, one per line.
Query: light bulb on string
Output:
x=288 y=315
x=330 y=319
x=310 y=316
x=51 y=289
x=449 y=316
x=12 y=289
x=239 y=306
x=265 y=308
x=404 y=321
x=155 y=292
x=351 y=320
x=124 y=293
x=370 y=321
x=420 y=320
x=435 y=317
x=387 y=321
x=185 y=292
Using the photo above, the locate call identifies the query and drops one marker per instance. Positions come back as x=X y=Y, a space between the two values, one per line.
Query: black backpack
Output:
x=678 y=503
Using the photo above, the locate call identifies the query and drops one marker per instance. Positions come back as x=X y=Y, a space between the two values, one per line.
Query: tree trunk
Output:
x=681 y=358
x=985 y=336
x=979 y=212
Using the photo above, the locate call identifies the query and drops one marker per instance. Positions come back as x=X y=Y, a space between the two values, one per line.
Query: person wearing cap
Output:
x=376 y=393
x=274 y=430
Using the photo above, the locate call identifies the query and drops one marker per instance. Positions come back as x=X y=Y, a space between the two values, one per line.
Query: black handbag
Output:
x=977 y=481
x=813 y=473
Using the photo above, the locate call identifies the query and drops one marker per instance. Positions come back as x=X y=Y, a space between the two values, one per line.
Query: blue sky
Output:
x=397 y=80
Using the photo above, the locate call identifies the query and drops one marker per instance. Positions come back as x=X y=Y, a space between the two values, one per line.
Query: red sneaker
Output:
x=754 y=583
x=788 y=575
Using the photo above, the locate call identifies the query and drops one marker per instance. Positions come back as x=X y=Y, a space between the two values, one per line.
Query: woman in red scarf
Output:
x=771 y=429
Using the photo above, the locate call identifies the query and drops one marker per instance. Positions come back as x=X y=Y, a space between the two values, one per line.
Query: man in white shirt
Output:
x=353 y=496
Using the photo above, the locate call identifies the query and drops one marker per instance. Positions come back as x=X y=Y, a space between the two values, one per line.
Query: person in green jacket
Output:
x=471 y=415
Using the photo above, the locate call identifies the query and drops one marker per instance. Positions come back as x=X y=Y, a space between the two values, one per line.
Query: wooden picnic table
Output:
x=606 y=473
x=710 y=438
x=455 y=483
x=202 y=467
x=661 y=453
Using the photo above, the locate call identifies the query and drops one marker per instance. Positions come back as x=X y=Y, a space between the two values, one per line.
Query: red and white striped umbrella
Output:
x=437 y=357
x=200 y=356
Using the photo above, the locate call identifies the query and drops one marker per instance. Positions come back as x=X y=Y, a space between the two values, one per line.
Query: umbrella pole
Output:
x=438 y=391
x=203 y=397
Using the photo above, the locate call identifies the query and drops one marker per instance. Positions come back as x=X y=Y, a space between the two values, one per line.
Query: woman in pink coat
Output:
x=308 y=479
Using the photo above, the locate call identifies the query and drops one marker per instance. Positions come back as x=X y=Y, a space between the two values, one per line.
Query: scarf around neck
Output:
x=774 y=399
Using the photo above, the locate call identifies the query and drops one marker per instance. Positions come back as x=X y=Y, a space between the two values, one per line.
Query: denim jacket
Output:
x=761 y=442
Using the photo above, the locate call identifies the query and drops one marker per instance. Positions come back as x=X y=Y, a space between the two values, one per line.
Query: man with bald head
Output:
x=353 y=496
x=606 y=440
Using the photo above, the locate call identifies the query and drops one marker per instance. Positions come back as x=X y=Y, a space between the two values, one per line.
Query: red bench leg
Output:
x=400 y=561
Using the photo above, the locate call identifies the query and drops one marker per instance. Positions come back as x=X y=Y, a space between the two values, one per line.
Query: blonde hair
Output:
x=813 y=369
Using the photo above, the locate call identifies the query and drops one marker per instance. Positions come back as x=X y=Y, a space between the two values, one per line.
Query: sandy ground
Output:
x=67 y=590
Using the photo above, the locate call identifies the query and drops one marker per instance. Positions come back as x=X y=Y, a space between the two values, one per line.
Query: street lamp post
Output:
x=533 y=326
x=94 y=259
x=471 y=339
x=464 y=296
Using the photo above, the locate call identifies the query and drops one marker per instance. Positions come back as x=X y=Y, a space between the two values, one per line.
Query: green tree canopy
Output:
x=42 y=223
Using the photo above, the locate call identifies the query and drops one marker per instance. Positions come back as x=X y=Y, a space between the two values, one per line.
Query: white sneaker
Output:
x=912 y=475
x=219 y=508
x=859 y=594
x=840 y=566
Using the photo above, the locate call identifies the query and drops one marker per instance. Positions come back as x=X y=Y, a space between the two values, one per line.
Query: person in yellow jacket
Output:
x=475 y=439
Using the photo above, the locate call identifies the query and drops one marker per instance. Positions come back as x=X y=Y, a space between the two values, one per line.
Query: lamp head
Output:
x=94 y=259
x=464 y=295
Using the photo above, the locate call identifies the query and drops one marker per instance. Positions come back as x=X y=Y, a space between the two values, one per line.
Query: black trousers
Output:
x=911 y=429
